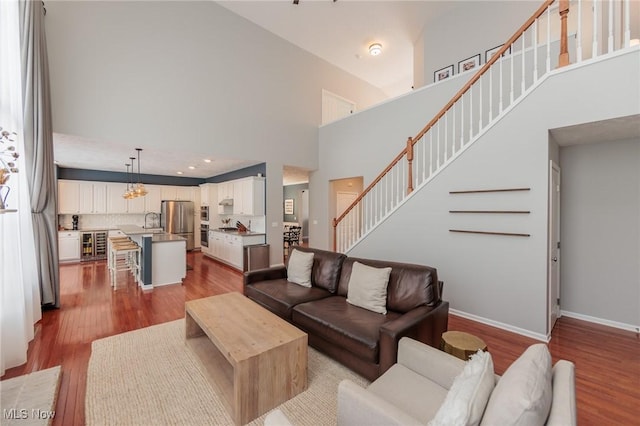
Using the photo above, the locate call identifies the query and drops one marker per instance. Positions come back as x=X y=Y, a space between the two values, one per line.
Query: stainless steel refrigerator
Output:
x=176 y=217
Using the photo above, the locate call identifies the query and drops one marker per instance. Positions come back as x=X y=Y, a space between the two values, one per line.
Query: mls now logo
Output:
x=15 y=414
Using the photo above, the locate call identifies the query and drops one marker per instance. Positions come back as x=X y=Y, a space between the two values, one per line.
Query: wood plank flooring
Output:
x=607 y=360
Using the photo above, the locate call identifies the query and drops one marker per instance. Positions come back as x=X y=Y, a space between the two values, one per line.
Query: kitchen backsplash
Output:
x=101 y=221
x=257 y=222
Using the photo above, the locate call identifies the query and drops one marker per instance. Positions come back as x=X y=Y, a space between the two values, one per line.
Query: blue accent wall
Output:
x=104 y=176
x=292 y=191
x=240 y=173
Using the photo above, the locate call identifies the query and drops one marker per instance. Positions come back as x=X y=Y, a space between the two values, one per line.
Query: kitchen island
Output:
x=163 y=258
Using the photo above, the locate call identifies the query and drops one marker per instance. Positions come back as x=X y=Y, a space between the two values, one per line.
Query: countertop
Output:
x=166 y=238
x=135 y=230
x=242 y=234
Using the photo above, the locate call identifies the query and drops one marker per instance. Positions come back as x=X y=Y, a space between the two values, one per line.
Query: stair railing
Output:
x=534 y=50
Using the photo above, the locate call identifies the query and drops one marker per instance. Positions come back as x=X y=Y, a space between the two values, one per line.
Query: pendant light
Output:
x=127 y=192
x=140 y=190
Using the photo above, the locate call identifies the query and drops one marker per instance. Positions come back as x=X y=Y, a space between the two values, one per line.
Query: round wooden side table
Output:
x=461 y=345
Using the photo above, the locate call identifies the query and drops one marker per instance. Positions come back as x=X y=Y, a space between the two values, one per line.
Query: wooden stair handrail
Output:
x=412 y=141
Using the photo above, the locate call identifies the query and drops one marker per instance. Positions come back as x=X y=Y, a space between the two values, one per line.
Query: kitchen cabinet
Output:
x=68 y=246
x=169 y=192
x=136 y=205
x=225 y=192
x=116 y=204
x=207 y=197
x=81 y=197
x=184 y=193
x=228 y=247
x=248 y=196
x=68 y=197
x=153 y=199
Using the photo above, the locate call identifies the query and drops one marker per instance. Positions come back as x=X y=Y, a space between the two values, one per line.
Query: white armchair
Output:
x=412 y=391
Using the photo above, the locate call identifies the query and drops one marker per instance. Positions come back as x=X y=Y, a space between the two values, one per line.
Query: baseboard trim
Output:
x=602 y=321
x=501 y=325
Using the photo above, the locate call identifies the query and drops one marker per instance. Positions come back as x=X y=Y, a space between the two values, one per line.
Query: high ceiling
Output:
x=339 y=32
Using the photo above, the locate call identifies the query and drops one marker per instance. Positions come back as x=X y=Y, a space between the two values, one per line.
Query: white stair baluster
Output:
x=534 y=43
x=446 y=140
x=453 y=129
x=470 y=113
x=430 y=151
x=461 y=121
x=500 y=83
x=480 y=104
x=524 y=74
x=438 y=144
x=627 y=24
x=610 y=38
x=594 y=48
x=548 y=38
x=579 y=34
x=512 y=57
x=491 y=92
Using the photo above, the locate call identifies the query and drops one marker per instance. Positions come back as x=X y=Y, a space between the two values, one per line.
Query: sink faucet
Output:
x=154 y=218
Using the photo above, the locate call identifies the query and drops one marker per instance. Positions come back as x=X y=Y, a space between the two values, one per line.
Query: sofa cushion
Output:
x=299 y=268
x=412 y=393
x=409 y=285
x=326 y=268
x=352 y=328
x=523 y=394
x=469 y=393
x=280 y=296
x=368 y=287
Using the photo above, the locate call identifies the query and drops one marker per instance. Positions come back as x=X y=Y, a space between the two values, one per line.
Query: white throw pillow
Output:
x=368 y=287
x=299 y=268
x=466 y=400
x=523 y=394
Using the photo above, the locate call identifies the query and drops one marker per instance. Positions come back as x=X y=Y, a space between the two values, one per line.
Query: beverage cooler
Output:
x=93 y=245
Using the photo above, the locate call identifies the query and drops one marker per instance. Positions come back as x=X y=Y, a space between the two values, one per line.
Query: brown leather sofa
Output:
x=365 y=341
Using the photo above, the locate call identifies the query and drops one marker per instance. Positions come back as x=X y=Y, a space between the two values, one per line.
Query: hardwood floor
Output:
x=607 y=360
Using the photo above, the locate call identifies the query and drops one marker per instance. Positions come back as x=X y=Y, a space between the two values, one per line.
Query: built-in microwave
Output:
x=204 y=213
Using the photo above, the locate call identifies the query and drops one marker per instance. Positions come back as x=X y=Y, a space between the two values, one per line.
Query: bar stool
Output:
x=124 y=255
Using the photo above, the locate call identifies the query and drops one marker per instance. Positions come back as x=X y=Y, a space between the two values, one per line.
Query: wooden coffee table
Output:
x=255 y=359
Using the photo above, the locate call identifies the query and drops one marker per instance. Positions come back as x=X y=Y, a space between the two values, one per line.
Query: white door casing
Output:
x=553 y=284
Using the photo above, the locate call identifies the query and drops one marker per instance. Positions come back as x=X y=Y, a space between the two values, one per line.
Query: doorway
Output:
x=553 y=285
x=335 y=107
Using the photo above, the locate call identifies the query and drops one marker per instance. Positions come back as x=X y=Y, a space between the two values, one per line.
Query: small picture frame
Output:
x=288 y=206
x=489 y=53
x=469 y=63
x=443 y=73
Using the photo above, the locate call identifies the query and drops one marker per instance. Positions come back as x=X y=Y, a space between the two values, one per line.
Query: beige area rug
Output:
x=149 y=376
x=30 y=399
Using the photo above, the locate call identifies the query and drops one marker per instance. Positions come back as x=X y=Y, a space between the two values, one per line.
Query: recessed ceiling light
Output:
x=206 y=160
x=179 y=173
x=375 y=49
x=192 y=168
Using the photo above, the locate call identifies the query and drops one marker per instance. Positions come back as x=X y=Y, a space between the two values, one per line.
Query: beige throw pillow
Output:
x=466 y=400
x=368 y=287
x=299 y=268
x=523 y=394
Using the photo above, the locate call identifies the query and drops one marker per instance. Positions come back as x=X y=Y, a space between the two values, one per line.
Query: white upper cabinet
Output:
x=225 y=192
x=184 y=193
x=81 y=197
x=116 y=204
x=248 y=196
x=204 y=194
x=153 y=199
x=68 y=197
x=168 y=192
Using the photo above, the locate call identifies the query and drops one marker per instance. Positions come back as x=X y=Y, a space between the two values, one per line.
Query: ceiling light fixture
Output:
x=129 y=192
x=140 y=190
x=179 y=173
x=375 y=49
x=206 y=160
x=192 y=167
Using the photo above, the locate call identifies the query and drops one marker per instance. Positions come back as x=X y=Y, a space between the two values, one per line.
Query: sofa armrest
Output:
x=277 y=418
x=429 y=362
x=274 y=273
x=563 y=404
x=425 y=324
x=358 y=406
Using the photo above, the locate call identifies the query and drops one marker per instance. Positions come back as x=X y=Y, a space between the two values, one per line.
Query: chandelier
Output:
x=134 y=190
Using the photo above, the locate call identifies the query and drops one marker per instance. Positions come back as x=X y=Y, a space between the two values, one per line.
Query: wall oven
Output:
x=204 y=213
x=204 y=235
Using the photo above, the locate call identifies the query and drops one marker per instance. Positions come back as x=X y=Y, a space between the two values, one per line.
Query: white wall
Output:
x=464 y=32
x=190 y=75
x=600 y=231
x=500 y=279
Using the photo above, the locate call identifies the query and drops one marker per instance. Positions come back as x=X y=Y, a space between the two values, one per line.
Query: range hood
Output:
x=226 y=202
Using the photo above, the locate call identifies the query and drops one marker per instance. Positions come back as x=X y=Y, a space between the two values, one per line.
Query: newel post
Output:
x=563 y=59
x=410 y=167
x=335 y=234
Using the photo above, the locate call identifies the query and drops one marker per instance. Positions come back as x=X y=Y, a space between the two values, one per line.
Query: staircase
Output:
x=540 y=48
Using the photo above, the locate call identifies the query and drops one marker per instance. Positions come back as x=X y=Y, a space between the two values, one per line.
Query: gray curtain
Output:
x=38 y=155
